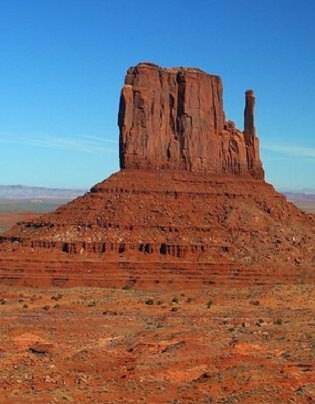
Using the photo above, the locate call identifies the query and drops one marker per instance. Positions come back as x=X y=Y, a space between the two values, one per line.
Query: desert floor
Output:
x=13 y=211
x=8 y=219
x=235 y=345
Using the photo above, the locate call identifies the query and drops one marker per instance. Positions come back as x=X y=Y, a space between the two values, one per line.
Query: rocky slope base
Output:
x=151 y=227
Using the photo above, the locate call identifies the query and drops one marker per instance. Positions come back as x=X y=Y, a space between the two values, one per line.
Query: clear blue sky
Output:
x=63 y=62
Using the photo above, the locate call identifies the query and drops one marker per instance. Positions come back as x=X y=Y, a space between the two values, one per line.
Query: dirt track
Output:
x=220 y=345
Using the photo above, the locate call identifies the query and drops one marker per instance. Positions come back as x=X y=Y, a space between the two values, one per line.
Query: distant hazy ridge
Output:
x=23 y=192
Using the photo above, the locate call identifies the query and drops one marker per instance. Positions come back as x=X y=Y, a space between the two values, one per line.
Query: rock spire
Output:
x=249 y=125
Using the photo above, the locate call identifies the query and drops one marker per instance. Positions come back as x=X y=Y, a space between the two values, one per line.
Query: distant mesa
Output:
x=174 y=119
x=189 y=206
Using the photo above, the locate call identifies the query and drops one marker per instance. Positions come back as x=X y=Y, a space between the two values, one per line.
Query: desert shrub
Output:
x=57 y=297
x=209 y=304
x=278 y=321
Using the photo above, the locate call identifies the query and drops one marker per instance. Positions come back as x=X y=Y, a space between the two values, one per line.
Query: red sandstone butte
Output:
x=174 y=119
x=189 y=206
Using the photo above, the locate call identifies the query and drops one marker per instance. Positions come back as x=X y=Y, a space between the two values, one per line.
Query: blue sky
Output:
x=63 y=63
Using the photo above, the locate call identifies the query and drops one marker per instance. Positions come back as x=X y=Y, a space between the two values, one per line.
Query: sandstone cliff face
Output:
x=174 y=119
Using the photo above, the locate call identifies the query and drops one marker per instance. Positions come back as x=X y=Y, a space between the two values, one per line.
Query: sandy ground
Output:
x=214 y=345
x=307 y=206
x=13 y=211
x=8 y=219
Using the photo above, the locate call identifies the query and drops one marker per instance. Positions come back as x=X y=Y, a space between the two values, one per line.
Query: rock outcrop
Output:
x=174 y=119
x=189 y=206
